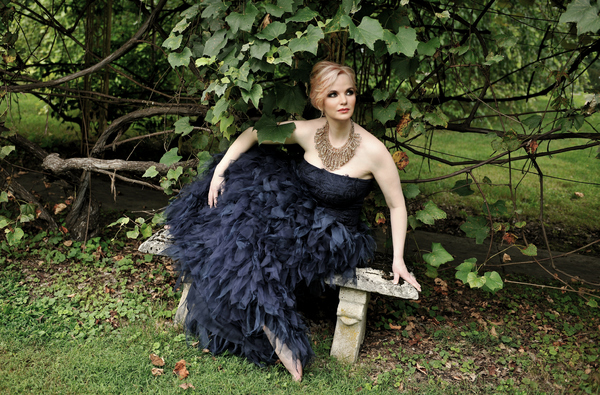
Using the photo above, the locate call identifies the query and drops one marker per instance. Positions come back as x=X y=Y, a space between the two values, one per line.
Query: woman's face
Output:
x=340 y=99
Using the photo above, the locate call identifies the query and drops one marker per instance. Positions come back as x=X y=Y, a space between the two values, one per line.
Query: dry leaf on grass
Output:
x=180 y=370
x=59 y=208
x=185 y=386
x=493 y=332
x=156 y=360
x=157 y=372
x=395 y=327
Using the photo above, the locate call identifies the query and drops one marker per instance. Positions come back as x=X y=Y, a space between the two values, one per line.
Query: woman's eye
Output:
x=333 y=94
x=350 y=92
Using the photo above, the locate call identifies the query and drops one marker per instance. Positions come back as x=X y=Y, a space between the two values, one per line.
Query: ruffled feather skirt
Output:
x=244 y=258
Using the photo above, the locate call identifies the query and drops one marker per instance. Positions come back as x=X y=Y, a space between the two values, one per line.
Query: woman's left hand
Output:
x=400 y=271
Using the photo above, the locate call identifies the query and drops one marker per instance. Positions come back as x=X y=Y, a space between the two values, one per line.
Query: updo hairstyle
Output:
x=323 y=75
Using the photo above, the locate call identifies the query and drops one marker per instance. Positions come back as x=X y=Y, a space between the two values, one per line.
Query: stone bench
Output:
x=352 y=309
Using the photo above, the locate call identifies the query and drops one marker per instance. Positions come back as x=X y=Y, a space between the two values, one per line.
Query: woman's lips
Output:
x=344 y=110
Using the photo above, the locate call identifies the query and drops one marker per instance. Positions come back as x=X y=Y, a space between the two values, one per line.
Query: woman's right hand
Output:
x=216 y=188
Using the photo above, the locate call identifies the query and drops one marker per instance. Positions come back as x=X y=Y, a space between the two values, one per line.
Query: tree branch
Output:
x=54 y=163
x=109 y=59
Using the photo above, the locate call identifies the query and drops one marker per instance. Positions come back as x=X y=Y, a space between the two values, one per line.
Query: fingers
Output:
x=409 y=278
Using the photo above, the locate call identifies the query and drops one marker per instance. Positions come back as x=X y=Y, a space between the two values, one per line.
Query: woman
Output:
x=268 y=225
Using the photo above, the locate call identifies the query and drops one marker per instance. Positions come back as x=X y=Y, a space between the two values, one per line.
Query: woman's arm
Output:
x=386 y=175
x=242 y=144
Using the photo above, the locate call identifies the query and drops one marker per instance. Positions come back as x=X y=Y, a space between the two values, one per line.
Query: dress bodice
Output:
x=340 y=196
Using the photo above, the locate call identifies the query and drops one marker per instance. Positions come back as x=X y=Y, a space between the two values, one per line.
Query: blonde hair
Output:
x=323 y=75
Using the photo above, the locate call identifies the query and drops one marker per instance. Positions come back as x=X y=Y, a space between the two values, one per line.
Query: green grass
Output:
x=565 y=174
x=31 y=117
x=84 y=318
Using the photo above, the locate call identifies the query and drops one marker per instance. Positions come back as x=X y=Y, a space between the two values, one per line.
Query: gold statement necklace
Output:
x=334 y=158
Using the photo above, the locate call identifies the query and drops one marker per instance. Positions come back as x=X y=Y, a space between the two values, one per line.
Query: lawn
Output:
x=84 y=319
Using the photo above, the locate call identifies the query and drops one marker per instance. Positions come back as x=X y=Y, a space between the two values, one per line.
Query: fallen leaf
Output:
x=156 y=360
x=506 y=258
x=185 y=386
x=180 y=370
x=395 y=327
x=59 y=207
x=421 y=369
x=579 y=194
x=68 y=243
x=493 y=333
x=442 y=285
x=157 y=372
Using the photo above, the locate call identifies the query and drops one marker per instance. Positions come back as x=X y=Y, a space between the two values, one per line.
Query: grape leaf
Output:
x=531 y=250
x=215 y=44
x=466 y=269
x=477 y=228
x=244 y=21
x=150 y=172
x=383 y=114
x=410 y=191
x=182 y=58
x=214 y=8
x=183 y=127
x=253 y=94
x=413 y=222
x=475 y=281
x=259 y=49
x=290 y=98
x=463 y=187
x=367 y=32
x=430 y=213
x=408 y=41
x=493 y=282
x=269 y=130
x=272 y=31
x=308 y=42
x=467 y=266
x=6 y=150
x=429 y=48
x=170 y=157
x=497 y=209
x=282 y=7
x=172 y=42
x=431 y=271
x=584 y=14
x=437 y=256
x=304 y=15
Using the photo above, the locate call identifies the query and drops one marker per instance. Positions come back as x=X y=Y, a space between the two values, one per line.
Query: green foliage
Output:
x=476 y=227
x=430 y=213
x=584 y=14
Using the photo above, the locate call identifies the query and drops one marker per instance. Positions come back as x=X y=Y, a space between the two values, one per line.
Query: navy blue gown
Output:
x=276 y=224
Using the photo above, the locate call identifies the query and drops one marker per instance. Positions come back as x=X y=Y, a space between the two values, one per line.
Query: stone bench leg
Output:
x=351 y=324
x=182 y=307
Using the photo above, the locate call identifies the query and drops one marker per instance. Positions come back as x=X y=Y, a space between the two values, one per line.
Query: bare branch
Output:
x=54 y=163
